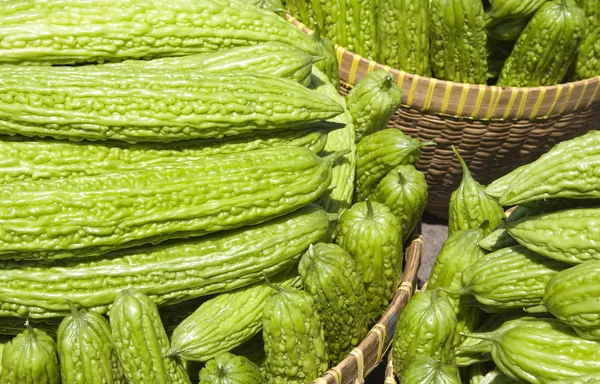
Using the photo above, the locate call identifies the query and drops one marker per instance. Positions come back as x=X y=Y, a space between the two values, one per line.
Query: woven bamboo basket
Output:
x=371 y=351
x=496 y=129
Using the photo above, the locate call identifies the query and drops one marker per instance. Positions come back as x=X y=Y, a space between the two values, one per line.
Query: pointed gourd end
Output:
x=370 y=212
x=536 y=309
x=335 y=156
x=463 y=165
x=388 y=80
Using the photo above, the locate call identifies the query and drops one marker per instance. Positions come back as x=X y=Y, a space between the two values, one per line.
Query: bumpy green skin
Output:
x=154 y=205
x=425 y=328
x=540 y=351
x=496 y=376
x=569 y=235
x=228 y=368
x=573 y=296
x=566 y=170
x=458 y=41
x=172 y=315
x=372 y=102
x=458 y=252
x=510 y=278
x=294 y=338
x=497 y=239
x=499 y=186
x=593 y=378
x=403 y=35
x=470 y=206
x=370 y=232
x=381 y=152
x=63 y=32
x=507 y=30
x=30 y=358
x=86 y=350
x=328 y=65
x=427 y=370
x=156 y=106
x=587 y=62
x=169 y=273
x=329 y=275
x=141 y=341
x=404 y=191
x=546 y=48
x=224 y=322
x=514 y=9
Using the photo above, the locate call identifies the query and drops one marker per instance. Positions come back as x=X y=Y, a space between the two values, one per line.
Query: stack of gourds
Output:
x=514 y=299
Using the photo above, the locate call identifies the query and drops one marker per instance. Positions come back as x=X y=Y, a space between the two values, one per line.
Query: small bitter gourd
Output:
x=329 y=275
x=228 y=368
x=141 y=341
x=587 y=62
x=370 y=232
x=295 y=347
x=30 y=358
x=372 y=102
x=546 y=48
x=427 y=370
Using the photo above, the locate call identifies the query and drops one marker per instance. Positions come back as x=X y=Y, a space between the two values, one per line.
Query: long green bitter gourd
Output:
x=372 y=102
x=500 y=238
x=328 y=65
x=169 y=273
x=427 y=370
x=329 y=275
x=546 y=48
x=92 y=215
x=458 y=41
x=141 y=341
x=161 y=105
x=228 y=368
x=295 y=347
x=86 y=350
x=497 y=187
x=587 y=62
x=225 y=321
x=30 y=358
x=72 y=31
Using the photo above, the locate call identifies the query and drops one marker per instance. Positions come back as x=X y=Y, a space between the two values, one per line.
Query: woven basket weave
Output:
x=495 y=129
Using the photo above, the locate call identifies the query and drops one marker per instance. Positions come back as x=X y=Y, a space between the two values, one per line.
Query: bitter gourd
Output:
x=228 y=368
x=574 y=298
x=225 y=321
x=68 y=31
x=169 y=273
x=496 y=376
x=500 y=238
x=514 y=9
x=458 y=41
x=30 y=358
x=86 y=350
x=328 y=65
x=497 y=187
x=329 y=275
x=587 y=62
x=12 y=326
x=507 y=30
x=162 y=105
x=404 y=191
x=372 y=102
x=547 y=46
x=593 y=378
x=425 y=328
x=427 y=370
x=295 y=347
x=370 y=232
x=510 y=278
x=469 y=205
x=379 y=153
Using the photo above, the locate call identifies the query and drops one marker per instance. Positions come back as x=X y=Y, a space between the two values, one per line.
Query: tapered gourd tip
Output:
x=370 y=212
x=335 y=156
x=387 y=82
x=401 y=178
x=536 y=309
x=427 y=144
x=463 y=165
x=331 y=217
x=455 y=292
x=30 y=330
x=317 y=59
x=74 y=311
x=490 y=336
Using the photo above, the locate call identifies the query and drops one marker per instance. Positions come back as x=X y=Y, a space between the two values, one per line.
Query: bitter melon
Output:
x=427 y=370
x=514 y=9
x=497 y=187
x=587 y=62
x=228 y=368
x=593 y=378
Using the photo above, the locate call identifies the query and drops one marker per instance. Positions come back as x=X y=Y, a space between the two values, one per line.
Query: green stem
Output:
x=370 y=212
x=387 y=82
x=465 y=169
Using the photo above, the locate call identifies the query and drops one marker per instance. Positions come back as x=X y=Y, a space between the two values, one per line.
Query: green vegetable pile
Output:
x=513 y=299
x=512 y=43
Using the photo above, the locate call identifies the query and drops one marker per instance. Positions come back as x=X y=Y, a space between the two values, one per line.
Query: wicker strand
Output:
x=381 y=332
x=360 y=365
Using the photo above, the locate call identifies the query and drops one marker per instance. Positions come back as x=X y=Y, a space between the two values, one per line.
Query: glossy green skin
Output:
x=469 y=205
x=587 y=62
x=593 y=378
x=496 y=377
x=458 y=252
x=511 y=9
x=172 y=315
x=357 y=29
x=404 y=191
x=176 y=104
x=372 y=102
x=228 y=368
x=86 y=351
x=403 y=35
x=169 y=273
x=372 y=237
x=498 y=187
x=30 y=358
x=510 y=278
x=294 y=338
x=426 y=370
x=141 y=341
x=458 y=41
x=573 y=296
x=224 y=322
x=497 y=239
x=135 y=29
x=547 y=46
x=135 y=208
x=540 y=351
x=425 y=328
x=566 y=170
x=379 y=153
x=508 y=30
x=329 y=275
x=569 y=235
x=328 y=65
